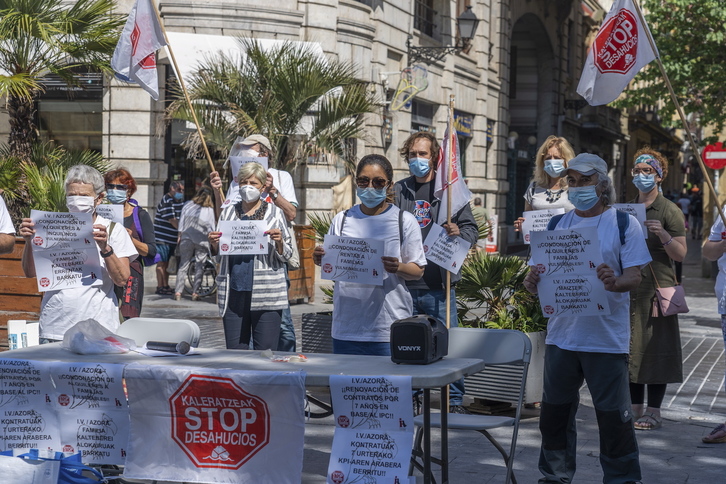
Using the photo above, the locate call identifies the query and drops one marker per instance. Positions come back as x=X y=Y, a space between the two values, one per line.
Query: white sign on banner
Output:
x=92 y=410
x=224 y=426
x=637 y=210
x=350 y=259
x=64 y=252
x=444 y=251
x=28 y=418
x=112 y=212
x=374 y=429
x=236 y=162
x=567 y=261
x=247 y=237
x=536 y=220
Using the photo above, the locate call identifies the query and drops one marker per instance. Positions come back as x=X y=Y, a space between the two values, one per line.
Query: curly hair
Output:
x=122 y=175
x=541 y=178
x=647 y=150
x=435 y=148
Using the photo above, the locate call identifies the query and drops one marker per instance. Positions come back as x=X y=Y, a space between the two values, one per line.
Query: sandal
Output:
x=649 y=421
x=164 y=291
x=717 y=435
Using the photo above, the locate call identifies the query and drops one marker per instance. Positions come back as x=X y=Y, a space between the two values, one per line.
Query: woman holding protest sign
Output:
x=549 y=186
x=120 y=187
x=363 y=313
x=252 y=290
x=655 y=343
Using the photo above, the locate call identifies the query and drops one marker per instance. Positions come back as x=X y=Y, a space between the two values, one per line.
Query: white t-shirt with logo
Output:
x=62 y=309
x=602 y=334
x=364 y=312
x=717 y=234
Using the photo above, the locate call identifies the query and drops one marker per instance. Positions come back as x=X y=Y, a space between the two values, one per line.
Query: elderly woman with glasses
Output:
x=655 y=343
x=252 y=289
x=363 y=313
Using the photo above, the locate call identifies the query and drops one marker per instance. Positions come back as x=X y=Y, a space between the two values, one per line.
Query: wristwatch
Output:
x=109 y=253
x=273 y=196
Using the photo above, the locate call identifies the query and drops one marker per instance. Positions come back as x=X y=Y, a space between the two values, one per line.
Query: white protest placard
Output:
x=64 y=252
x=350 y=259
x=637 y=210
x=205 y=425
x=536 y=220
x=492 y=242
x=28 y=418
x=112 y=212
x=582 y=295
x=243 y=237
x=374 y=429
x=444 y=251
x=236 y=162
x=92 y=410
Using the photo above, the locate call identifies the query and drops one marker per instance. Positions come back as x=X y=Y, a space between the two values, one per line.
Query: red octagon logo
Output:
x=616 y=45
x=216 y=423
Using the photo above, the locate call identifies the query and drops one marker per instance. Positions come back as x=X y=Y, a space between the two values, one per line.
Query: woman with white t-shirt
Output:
x=63 y=308
x=363 y=313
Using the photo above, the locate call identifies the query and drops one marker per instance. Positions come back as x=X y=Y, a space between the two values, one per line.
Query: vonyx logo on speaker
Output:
x=409 y=348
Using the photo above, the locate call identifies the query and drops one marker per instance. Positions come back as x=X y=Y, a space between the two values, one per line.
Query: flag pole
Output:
x=449 y=174
x=184 y=90
x=681 y=114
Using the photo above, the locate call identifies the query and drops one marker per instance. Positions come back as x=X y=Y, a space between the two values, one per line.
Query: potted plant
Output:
x=491 y=294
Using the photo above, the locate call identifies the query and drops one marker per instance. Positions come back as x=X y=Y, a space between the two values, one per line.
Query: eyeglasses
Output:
x=364 y=182
x=644 y=171
x=111 y=186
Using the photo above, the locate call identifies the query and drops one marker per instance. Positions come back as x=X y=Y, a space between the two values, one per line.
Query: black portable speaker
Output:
x=419 y=340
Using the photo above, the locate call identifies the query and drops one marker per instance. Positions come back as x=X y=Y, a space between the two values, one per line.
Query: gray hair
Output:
x=85 y=174
x=252 y=169
x=607 y=190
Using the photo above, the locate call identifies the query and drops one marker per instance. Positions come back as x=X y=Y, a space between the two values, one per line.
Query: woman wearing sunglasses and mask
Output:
x=655 y=342
x=363 y=313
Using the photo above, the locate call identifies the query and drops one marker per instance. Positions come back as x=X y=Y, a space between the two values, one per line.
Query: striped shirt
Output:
x=167 y=209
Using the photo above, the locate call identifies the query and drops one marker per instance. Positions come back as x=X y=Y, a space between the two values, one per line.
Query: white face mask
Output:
x=250 y=153
x=80 y=204
x=249 y=194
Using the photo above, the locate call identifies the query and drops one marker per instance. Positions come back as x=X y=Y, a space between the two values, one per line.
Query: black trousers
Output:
x=241 y=324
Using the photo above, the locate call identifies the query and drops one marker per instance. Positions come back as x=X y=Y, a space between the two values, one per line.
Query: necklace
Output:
x=553 y=195
x=259 y=214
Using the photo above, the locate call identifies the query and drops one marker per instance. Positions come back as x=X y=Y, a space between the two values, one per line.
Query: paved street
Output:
x=673 y=454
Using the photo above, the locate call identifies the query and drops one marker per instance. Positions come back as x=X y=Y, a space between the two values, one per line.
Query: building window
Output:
x=422 y=117
x=425 y=17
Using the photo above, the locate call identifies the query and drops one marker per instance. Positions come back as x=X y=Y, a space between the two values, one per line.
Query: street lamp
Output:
x=466 y=25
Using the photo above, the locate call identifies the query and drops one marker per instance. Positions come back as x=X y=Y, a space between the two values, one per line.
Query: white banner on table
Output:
x=637 y=210
x=112 y=212
x=444 y=251
x=64 y=251
x=582 y=295
x=372 y=402
x=243 y=237
x=363 y=456
x=574 y=251
x=28 y=419
x=536 y=220
x=224 y=426
x=92 y=410
x=350 y=259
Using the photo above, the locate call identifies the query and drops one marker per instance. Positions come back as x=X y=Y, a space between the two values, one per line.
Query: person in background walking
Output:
x=196 y=222
x=696 y=214
x=120 y=186
x=166 y=223
x=655 y=341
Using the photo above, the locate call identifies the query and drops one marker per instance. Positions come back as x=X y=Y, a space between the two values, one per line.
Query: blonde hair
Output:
x=541 y=178
x=252 y=169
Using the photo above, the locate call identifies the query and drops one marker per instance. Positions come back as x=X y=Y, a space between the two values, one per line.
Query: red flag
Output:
x=621 y=48
x=134 y=59
x=460 y=194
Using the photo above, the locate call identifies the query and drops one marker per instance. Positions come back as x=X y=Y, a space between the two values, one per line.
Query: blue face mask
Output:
x=178 y=196
x=371 y=197
x=583 y=198
x=644 y=183
x=419 y=167
x=116 y=196
x=554 y=168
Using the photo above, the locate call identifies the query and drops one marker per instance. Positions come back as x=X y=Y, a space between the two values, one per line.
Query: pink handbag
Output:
x=668 y=300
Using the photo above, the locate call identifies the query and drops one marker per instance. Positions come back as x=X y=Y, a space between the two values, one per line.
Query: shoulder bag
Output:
x=668 y=300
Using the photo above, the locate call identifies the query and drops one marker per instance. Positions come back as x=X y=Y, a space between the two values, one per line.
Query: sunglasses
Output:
x=644 y=171
x=364 y=182
x=111 y=186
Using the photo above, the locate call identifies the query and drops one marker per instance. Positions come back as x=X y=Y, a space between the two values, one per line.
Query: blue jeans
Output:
x=433 y=303
x=343 y=347
x=287 y=328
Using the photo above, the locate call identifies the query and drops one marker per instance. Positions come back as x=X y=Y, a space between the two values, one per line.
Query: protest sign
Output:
x=351 y=259
x=536 y=220
x=235 y=163
x=581 y=295
x=492 y=243
x=112 y=212
x=64 y=252
x=444 y=251
x=246 y=237
x=637 y=210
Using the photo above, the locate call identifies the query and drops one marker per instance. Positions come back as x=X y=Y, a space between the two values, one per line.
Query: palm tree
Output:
x=301 y=101
x=41 y=37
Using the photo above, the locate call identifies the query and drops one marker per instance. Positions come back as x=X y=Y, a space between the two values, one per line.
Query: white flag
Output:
x=460 y=194
x=134 y=59
x=621 y=48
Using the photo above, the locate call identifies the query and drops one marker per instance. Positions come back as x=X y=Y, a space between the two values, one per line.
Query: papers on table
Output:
x=350 y=259
x=444 y=251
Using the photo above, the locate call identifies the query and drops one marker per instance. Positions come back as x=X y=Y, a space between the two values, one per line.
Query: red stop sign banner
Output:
x=217 y=423
x=616 y=44
x=714 y=156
